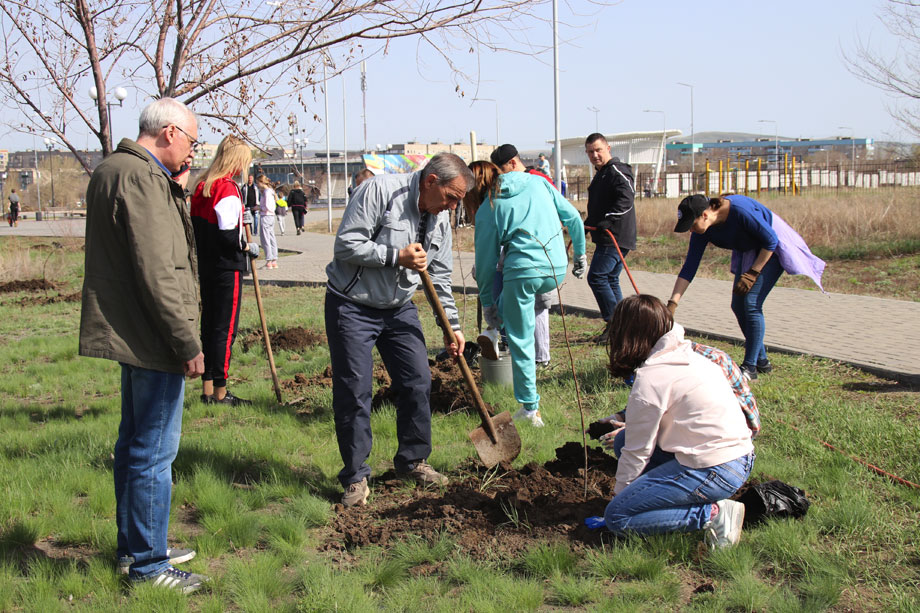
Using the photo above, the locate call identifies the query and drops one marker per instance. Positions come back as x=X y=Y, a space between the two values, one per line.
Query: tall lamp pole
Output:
x=595 y=110
x=38 y=183
x=557 y=141
x=692 y=134
x=497 y=138
x=775 y=137
x=293 y=131
x=50 y=145
x=852 y=147
x=120 y=94
x=664 y=136
x=345 y=137
x=328 y=152
x=364 y=101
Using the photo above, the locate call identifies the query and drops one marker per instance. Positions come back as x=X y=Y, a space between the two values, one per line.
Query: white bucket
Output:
x=497 y=371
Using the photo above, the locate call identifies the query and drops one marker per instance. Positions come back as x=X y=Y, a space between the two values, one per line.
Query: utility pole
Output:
x=364 y=101
x=345 y=138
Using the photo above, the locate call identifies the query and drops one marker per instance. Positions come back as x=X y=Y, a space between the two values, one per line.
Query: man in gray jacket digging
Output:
x=393 y=226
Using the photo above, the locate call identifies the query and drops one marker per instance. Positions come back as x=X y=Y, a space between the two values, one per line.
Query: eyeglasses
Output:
x=193 y=142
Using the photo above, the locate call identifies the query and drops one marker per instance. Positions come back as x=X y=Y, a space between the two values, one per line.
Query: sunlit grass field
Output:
x=254 y=487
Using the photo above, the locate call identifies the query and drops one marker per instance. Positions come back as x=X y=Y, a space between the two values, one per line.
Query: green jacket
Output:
x=140 y=291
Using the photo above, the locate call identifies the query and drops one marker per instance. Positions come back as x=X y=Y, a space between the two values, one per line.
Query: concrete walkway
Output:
x=876 y=334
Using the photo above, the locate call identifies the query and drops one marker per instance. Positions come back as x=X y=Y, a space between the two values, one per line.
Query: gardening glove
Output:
x=493 y=319
x=595 y=523
x=745 y=282
x=247 y=217
x=606 y=440
x=580 y=266
x=253 y=250
x=672 y=306
x=605 y=224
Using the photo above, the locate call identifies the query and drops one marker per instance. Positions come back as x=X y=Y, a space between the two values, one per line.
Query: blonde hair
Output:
x=486 y=177
x=233 y=157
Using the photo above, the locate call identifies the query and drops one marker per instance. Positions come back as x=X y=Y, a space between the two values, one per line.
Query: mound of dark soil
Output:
x=488 y=513
x=26 y=285
x=40 y=300
x=449 y=391
x=287 y=339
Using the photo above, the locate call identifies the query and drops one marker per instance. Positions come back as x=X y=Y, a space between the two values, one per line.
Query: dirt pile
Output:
x=286 y=339
x=26 y=285
x=488 y=513
x=449 y=391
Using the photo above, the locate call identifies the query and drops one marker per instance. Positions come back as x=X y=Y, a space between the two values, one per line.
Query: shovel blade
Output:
x=505 y=449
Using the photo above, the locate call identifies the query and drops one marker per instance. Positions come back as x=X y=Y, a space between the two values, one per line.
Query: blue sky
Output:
x=781 y=60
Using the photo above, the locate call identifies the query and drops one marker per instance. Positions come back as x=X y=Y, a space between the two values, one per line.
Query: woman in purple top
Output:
x=763 y=247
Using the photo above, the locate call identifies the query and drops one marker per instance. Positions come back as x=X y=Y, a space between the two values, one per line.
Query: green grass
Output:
x=254 y=489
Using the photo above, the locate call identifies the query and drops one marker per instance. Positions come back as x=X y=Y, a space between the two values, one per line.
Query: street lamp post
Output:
x=692 y=135
x=852 y=148
x=38 y=183
x=775 y=138
x=120 y=94
x=497 y=138
x=595 y=110
x=664 y=136
x=50 y=145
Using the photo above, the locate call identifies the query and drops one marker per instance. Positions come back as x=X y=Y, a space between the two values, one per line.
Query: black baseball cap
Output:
x=689 y=209
x=503 y=154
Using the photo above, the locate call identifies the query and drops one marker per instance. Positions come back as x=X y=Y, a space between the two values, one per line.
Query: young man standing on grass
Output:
x=393 y=227
x=611 y=198
x=140 y=308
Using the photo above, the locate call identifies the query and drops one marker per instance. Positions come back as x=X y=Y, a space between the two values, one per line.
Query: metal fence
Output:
x=792 y=179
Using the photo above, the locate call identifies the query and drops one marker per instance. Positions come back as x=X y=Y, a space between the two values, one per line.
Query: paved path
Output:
x=879 y=335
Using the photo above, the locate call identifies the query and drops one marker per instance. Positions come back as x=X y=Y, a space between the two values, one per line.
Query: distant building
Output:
x=768 y=148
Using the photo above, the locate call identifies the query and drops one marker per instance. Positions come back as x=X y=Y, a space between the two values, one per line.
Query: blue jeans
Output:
x=353 y=331
x=748 y=311
x=255 y=221
x=604 y=278
x=148 y=440
x=674 y=498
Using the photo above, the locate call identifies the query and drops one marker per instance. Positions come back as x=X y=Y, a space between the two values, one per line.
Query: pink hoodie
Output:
x=682 y=402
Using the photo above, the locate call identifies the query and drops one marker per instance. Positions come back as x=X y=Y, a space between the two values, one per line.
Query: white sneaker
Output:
x=530 y=416
x=725 y=529
x=488 y=343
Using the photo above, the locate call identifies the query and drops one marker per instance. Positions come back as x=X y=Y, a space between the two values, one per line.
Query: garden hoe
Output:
x=497 y=440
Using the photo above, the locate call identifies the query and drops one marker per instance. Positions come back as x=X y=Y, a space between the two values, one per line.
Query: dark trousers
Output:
x=353 y=330
x=604 y=278
x=298 y=217
x=220 y=318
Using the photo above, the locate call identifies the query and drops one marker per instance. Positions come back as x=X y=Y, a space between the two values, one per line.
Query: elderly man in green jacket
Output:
x=140 y=308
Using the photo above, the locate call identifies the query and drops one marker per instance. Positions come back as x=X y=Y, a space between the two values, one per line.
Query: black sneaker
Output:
x=601 y=339
x=749 y=373
x=230 y=399
x=206 y=399
x=764 y=367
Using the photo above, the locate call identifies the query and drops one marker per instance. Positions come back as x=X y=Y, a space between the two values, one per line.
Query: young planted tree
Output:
x=223 y=58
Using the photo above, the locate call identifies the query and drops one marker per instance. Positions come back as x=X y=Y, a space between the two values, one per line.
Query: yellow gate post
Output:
x=785 y=172
x=758 y=175
x=794 y=185
x=706 y=186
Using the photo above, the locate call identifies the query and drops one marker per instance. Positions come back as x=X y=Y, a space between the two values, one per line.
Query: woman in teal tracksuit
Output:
x=522 y=213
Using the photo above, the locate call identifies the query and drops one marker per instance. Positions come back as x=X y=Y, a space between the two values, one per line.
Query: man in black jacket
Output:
x=611 y=198
x=250 y=194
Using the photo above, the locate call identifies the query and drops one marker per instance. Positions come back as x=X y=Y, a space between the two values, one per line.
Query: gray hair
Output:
x=447 y=167
x=161 y=113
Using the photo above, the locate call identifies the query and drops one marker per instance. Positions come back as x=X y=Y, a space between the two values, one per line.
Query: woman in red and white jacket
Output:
x=223 y=256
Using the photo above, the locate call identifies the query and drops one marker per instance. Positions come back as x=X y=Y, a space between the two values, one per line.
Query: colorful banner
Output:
x=394 y=163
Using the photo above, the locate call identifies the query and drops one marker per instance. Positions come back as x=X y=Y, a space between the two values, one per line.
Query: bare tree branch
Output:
x=237 y=62
x=897 y=74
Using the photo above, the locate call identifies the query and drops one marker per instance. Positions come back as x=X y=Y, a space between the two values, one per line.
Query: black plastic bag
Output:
x=773 y=499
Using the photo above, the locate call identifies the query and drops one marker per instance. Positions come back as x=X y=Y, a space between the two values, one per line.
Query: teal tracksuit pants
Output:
x=516 y=305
